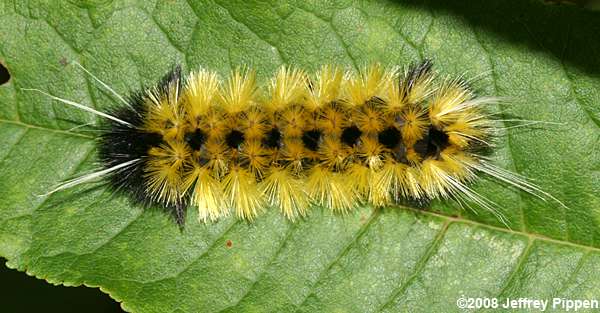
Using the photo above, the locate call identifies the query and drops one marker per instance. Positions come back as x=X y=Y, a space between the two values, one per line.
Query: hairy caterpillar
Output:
x=333 y=138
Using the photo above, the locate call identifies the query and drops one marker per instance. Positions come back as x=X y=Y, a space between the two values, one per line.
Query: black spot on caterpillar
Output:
x=333 y=138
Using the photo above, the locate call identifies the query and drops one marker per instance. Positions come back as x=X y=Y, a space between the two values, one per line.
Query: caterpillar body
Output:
x=333 y=139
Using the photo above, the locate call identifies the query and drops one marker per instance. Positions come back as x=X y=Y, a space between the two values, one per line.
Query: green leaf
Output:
x=544 y=59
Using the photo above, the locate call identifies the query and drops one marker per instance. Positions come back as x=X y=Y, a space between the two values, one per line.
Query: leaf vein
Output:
x=419 y=266
x=246 y=26
x=265 y=267
x=374 y=215
x=523 y=220
x=197 y=258
x=337 y=35
x=14 y=145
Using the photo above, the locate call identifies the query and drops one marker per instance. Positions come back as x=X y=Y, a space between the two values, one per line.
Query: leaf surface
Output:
x=544 y=59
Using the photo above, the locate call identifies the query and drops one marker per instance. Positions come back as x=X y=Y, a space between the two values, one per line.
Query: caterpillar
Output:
x=333 y=138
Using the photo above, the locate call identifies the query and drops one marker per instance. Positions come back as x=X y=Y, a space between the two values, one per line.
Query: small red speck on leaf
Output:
x=229 y=243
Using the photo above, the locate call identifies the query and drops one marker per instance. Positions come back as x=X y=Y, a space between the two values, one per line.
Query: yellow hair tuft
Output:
x=288 y=87
x=240 y=91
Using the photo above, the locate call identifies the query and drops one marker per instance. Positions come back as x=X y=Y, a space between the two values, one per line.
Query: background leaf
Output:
x=544 y=59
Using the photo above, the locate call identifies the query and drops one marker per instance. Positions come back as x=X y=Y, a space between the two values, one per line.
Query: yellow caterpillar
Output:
x=332 y=138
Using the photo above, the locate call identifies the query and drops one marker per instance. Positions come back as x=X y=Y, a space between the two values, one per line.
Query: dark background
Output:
x=25 y=294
